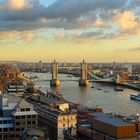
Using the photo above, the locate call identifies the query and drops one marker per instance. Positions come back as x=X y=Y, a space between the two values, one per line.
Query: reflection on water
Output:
x=83 y=90
x=103 y=95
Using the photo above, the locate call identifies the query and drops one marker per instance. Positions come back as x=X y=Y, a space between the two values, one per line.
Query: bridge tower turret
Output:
x=83 y=79
x=54 y=70
x=118 y=79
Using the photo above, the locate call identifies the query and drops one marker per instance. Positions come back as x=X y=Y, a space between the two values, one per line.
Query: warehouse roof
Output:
x=106 y=118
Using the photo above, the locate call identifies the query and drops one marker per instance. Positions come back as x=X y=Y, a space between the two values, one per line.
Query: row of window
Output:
x=18 y=117
x=72 y=117
x=25 y=109
x=20 y=129
x=5 y=136
x=6 y=129
x=72 y=125
x=11 y=129
x=26 y=123
x=5 y=121
x=28 y=117
x=16 y=129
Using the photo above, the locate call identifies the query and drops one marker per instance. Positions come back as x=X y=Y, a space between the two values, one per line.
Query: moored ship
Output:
x=135 y=97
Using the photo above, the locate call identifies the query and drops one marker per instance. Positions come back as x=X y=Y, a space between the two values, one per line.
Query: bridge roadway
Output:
x=103 y=81
x=98 y=81
x=60 y=80
x=95 y=79
x=69 y=67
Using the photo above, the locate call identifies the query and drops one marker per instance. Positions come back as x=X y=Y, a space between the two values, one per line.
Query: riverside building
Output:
x=55 y=114
x=15 y=115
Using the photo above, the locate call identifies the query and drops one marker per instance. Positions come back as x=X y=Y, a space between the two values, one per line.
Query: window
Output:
x=17 y=135
x=34 y=116
x=22 y=129
x=12 y=136
x=33 y=122
x=63 y=125
x=11 y=129
x=17 y=123
x=22 y=117
x=0 y=129
x=22 y=109
x=23 y=123
x=28 y=122
x=28 y=116
x=17 y=117
x=17 y=129
x=5 y=129
x=4 y=122
x=27 y=109
x=0 y=122
x=5 y=136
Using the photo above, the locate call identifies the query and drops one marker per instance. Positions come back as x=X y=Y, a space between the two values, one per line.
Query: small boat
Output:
x=118 y=89
x=106 y=91
x=69 y=76
x=135 y=97
x=92 y=87
x=35 y=77
x=98 y=89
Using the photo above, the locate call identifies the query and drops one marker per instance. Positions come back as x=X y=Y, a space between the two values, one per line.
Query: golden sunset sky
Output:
x=70 y=30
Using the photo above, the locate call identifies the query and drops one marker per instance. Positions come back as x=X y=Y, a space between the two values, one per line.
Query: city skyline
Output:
x=70 y=30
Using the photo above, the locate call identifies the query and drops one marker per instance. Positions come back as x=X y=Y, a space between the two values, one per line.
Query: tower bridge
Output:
x=54 y=69
x=83 y=81
x=83 y=74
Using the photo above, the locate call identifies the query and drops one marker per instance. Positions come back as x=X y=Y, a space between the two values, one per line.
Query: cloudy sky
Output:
x=70 y=30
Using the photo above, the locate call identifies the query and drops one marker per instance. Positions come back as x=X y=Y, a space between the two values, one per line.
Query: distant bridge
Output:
x=82 y=73
x=99 y=79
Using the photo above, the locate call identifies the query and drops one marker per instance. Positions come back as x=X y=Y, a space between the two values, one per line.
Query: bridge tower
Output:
x=54 y=70
x=83 y=80
x=118 y=79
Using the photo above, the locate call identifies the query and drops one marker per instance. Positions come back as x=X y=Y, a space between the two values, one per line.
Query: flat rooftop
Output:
x=43 y=107
x=106 y=118
x=47 y=100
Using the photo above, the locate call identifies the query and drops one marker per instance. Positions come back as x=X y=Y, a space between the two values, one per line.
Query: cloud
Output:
x=65 y=14
x=14 y=5
x=72 y=24
x=87 y=38
x=92 y=37
x=134 y=3
x=25 y=10
x=101 y=24
x=18 y=35
x=59 y=37
x=134 y=49
x=86 y=15
x=21 y=25
x=76 y=8
x=130 y=49
x=127 y=20
x=28 y=36
x=9 y=35
x=17 y=5
x=98 y=23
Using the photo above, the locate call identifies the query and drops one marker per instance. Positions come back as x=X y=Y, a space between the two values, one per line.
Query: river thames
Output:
x=102 y=95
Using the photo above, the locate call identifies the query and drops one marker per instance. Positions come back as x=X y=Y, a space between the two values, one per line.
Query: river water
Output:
x=106 y=97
